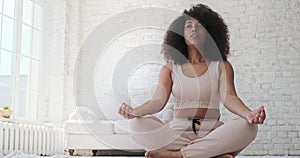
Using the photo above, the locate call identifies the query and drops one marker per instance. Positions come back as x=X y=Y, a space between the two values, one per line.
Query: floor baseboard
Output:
x=120 y=153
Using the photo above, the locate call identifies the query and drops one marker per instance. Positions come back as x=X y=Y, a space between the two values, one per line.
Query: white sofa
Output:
x=106 y=134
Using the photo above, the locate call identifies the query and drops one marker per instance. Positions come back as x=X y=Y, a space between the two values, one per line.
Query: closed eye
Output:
x=188 y=26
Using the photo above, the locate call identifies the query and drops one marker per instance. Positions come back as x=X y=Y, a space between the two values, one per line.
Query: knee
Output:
x=249 y=129
x=143 y=124
x=135 y=124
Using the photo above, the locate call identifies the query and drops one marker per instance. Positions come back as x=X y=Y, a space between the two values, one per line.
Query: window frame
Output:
x=16 y=61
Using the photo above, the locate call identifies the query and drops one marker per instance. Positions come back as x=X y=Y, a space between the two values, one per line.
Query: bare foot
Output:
x=163 y=154
x=225 y=156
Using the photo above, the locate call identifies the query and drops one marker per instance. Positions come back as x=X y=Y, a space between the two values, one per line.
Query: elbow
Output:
x=158 y=105
x=229 y=99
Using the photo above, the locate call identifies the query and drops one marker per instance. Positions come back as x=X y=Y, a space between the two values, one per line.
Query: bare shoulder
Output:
x=168 y=67
x=225 y=66
x=166 y=71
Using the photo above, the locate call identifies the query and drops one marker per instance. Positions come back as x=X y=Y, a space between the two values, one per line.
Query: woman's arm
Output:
x=230 y=99
x=159 y=99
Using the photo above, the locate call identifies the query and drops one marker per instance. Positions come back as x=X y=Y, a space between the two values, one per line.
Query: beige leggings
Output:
x=213 y=137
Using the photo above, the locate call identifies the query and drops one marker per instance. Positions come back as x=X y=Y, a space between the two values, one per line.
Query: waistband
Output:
x=195 y=124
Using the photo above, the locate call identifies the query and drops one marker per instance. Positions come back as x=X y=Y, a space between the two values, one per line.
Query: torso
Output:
x=195 y=70
x=189 y=73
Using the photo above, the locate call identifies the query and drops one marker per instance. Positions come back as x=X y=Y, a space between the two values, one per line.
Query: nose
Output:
x=194 y=28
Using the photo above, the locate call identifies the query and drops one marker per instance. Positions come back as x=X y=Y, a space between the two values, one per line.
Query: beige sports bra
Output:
x=196 y=92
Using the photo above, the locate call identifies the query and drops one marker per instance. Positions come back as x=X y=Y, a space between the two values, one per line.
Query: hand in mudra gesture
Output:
x=257 y=116
x=126 y=111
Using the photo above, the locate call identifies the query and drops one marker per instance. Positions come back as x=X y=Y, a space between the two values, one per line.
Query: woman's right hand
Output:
x=126 y=111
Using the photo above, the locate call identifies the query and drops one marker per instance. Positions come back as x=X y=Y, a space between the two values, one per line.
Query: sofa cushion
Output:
x=109 y=106
x=121 y=126
x=89 y=127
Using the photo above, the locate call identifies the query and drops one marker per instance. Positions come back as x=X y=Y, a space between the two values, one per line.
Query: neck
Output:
x=195 y=56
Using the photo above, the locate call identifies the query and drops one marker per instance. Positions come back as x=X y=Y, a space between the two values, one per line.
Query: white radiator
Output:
x=33 y=139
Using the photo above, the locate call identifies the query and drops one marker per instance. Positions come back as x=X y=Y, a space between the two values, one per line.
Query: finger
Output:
x=124 y=110
x=123 y=113
x=124 y=107
x=260 y=120
x=127 y=115
x=257 y=119
x=252 y=121
x=263 y=118
x=262 y=109
x=119 y=110
x=130 y=116
x=263 y=113
x=127 y=109
x=130 y=112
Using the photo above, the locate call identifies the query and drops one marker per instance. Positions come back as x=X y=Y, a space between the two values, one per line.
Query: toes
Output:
x=225 y=156
x=147 y=154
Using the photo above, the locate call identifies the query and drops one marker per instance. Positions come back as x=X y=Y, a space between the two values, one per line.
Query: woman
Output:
x=199 y=77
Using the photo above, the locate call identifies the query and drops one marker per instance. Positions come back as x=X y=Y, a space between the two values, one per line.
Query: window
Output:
x=20 y=55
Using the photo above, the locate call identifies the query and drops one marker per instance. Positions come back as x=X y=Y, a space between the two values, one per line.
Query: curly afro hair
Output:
x=216 y=46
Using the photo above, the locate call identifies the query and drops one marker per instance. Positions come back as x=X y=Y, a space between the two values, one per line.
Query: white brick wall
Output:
x=52 y=85
x=264 y=52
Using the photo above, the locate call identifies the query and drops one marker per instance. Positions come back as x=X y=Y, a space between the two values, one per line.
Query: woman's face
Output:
x=194 y=33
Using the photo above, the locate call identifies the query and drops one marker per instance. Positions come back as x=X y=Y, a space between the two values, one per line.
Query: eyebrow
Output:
x=188 y=22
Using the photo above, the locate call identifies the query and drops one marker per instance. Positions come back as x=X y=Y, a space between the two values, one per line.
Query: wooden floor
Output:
x=236 y=157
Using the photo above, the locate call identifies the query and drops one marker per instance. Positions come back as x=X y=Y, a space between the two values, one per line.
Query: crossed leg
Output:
x=154 y=135
x=229 y=138
x=223 y=142
x=175 y=154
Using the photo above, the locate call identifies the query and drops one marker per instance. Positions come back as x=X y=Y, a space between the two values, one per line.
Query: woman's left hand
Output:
x=257 y=116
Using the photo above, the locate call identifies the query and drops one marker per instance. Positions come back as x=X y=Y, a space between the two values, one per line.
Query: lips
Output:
x=193 y=36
